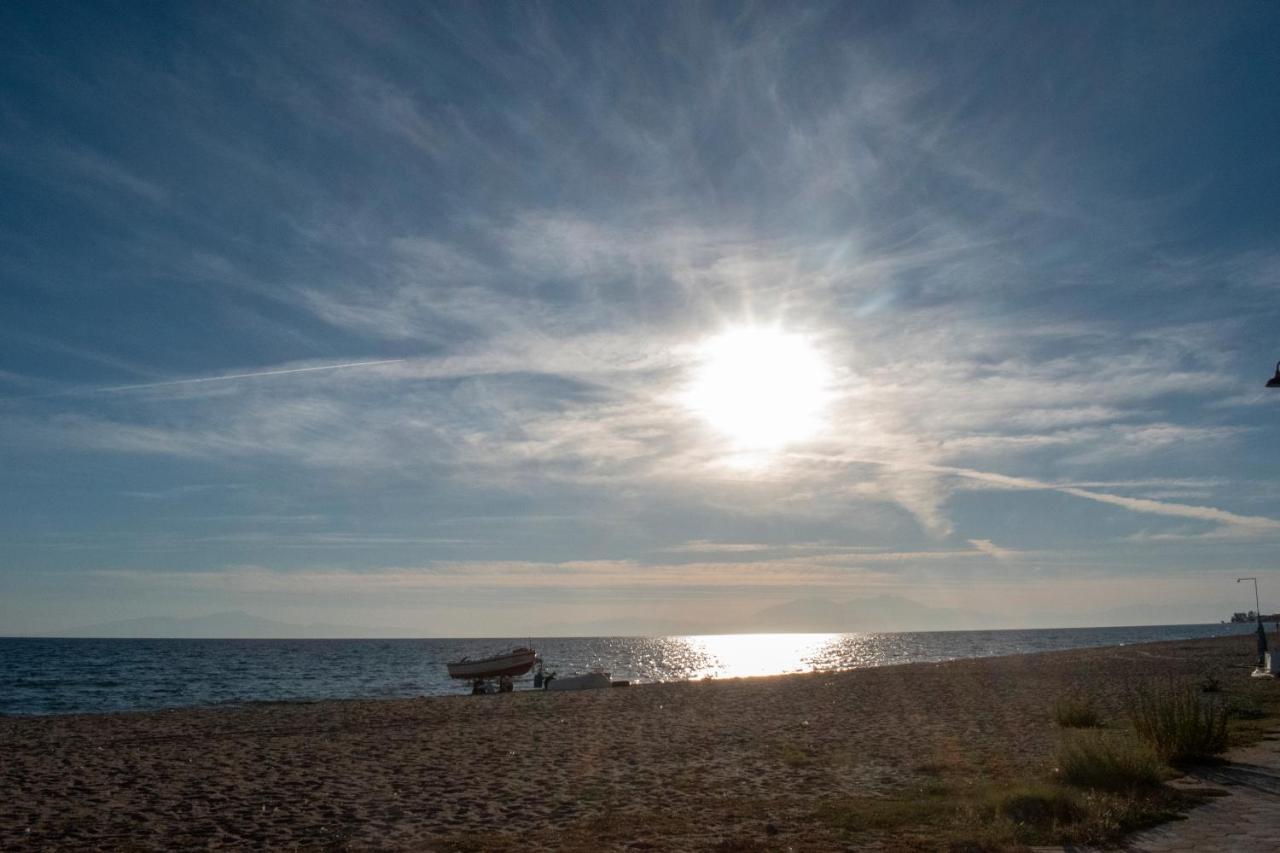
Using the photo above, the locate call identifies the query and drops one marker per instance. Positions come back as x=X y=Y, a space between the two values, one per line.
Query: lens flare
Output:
x=762 y=388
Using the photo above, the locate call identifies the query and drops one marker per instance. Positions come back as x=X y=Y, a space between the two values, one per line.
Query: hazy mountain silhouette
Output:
x=231 y=624
x=895 y=613
x=878 y=613
x=804 y=615
x=1151 y=614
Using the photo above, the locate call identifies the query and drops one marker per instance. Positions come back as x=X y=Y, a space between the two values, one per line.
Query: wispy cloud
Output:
x=474 y=575
x=988 y=547
x=522 y=243
x=1140 y=505
x=704 y=546
x=228 y=377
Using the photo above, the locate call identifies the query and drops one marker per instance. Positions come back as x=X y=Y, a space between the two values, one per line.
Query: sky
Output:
x=489 y=319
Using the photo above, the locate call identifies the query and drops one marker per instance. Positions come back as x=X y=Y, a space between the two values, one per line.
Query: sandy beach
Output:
x=723 y=765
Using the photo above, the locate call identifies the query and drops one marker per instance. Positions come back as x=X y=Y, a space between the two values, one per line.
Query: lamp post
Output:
x=1262 y=632
x=1257 y=605
x=1273 y=382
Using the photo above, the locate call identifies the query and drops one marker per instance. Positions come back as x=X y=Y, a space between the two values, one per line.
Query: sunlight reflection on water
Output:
x=745 y=655
x=748 y=655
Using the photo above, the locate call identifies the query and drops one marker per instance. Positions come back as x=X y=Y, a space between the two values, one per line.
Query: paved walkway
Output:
x=1245 y=820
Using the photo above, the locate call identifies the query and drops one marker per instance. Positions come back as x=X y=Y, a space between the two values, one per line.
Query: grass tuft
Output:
x=999 y=815
x=1247 y=709
x=1178 y=723
x=796 y=756
x=920 y=808
x=1107 y=762
x=1077 y=712
x=1042 y=808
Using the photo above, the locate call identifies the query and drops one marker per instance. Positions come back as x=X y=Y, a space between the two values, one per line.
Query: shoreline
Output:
x=429 y=690
x=675 y=765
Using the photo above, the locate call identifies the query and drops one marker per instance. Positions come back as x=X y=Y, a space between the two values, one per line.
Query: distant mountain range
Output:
x=811 y=614
x=879 y=613
x=231 y=624
x=882 y=613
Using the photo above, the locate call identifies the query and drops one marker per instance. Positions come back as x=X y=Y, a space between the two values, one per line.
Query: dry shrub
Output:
x=1107 y=762
x=1178 y=722
x=1077 y=712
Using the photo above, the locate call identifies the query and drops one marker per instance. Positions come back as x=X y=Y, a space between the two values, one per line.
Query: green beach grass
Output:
x=1106 y=783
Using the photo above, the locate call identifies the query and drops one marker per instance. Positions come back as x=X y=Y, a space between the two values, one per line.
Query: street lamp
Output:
x=1273 y=382
x=1262 y=632
x=1256 y=603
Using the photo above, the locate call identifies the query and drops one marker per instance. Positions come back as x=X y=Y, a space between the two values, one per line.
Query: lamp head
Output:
x=1274 y=381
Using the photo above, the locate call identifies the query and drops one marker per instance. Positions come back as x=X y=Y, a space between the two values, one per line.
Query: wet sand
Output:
x=723 y=765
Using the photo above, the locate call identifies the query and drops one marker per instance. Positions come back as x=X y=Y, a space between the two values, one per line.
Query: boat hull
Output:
x=590 y=681
x=513 y=663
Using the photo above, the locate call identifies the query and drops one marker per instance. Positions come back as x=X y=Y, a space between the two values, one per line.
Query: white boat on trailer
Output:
x=518 y=661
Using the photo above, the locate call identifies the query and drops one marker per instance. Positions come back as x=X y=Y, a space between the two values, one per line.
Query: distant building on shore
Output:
x=1252 y=616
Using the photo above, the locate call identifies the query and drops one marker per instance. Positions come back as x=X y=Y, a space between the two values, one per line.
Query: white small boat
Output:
x=515 y=662
x=590 y=681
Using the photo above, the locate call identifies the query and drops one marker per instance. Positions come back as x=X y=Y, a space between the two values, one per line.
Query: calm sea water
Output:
x=58 y=676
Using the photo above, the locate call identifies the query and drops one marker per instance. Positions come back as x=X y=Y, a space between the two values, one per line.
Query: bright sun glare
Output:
x=761 y=387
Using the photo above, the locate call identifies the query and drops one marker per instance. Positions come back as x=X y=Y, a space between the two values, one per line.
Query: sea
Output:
x=94 y=676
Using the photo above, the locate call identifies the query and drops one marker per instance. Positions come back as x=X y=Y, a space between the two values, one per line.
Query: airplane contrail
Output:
x=253 y=375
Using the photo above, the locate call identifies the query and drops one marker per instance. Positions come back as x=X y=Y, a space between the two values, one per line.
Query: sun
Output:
x=763 y=388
